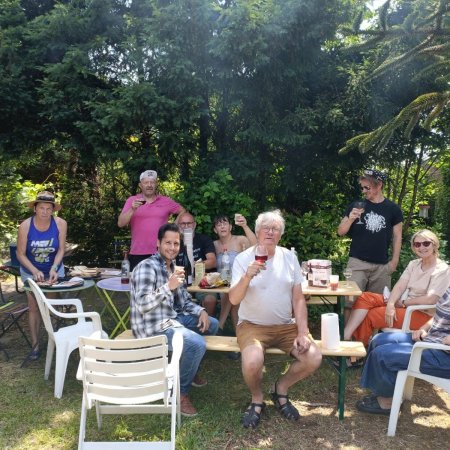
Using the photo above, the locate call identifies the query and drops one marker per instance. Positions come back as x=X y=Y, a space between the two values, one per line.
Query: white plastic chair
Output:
x=407 y=320
x=130 y=376
x=405 y=378
x=65 y=339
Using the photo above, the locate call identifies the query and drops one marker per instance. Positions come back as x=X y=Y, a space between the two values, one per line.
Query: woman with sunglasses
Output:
x=423 y=282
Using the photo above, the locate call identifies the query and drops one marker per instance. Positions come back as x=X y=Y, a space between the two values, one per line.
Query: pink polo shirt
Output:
x=146 y=220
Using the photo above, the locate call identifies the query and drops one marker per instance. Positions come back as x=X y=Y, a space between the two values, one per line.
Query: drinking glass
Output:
x=305 y=269
x=347 y=274
x=261 y=253
x=360 y=205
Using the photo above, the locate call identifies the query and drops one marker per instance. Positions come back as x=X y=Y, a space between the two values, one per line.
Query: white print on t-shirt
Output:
x=374 y=222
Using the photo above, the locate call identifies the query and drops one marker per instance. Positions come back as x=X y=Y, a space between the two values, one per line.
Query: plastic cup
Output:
x=334 y=282
x=179 y=270
x=237 y=218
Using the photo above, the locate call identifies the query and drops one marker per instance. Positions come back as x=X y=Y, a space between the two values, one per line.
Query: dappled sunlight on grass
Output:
x=63 y=418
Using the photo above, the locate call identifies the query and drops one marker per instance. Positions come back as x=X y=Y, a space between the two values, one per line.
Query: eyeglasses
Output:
x=186 y=224
x=419 y=244
x=266 y=229
x=366 y=188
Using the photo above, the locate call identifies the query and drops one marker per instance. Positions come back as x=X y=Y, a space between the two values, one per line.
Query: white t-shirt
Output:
x=435 y=280
x=268 y=300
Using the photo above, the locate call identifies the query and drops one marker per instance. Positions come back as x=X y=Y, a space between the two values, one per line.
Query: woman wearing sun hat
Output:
x=40 y=251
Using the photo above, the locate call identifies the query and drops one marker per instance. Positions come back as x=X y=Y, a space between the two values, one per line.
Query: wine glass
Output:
x=360 y=205
x=347 y=274
x=305 y=269
x=261 y=253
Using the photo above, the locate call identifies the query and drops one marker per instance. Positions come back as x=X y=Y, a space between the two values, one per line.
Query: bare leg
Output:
x=252 y=370
x=34 y=320
x=225 y=308
x=234 y=315
x=354 y=321
x=209 y=303
x=385 y=402
x=305 y=364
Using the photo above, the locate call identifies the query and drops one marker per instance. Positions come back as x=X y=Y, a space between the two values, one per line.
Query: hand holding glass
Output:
x=360 y=205
x=261 y=253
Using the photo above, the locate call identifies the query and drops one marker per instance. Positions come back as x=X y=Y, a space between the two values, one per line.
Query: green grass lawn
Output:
x=31 y=418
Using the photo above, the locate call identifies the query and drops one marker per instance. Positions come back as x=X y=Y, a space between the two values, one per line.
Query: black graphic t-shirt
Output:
x=372 y=239
x=201 y=245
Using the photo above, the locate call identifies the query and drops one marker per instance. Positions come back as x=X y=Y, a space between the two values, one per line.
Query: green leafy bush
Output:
x=207 y=196
x=314 y=236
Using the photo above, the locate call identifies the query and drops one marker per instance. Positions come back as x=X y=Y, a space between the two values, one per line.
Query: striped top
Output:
x=440 y=327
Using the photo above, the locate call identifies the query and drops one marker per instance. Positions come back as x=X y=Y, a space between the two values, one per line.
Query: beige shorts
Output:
x=265 y=336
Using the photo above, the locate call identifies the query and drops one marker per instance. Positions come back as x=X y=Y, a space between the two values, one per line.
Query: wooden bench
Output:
x=347 y=349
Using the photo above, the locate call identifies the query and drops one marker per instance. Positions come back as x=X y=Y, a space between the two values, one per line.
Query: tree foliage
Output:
x=412 y=39
x=239 y=106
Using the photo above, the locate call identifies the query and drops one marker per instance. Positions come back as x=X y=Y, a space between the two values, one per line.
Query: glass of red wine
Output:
x=261 y=253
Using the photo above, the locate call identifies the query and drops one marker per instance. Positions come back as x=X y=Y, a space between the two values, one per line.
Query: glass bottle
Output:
x=125 y=269
x=187 y=266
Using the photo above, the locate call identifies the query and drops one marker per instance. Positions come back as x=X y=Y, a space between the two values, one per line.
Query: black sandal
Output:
x=251 y=418
x=288 y=410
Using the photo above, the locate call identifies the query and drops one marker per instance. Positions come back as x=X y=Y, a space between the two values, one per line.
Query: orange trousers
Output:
x=375 y=319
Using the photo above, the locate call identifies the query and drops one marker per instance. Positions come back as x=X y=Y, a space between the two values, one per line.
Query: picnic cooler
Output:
x=319 y=272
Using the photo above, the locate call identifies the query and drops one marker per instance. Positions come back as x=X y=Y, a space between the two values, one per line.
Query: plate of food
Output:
x=85 y=272
x=212 y=280
x=104 y=273
x=61 y=285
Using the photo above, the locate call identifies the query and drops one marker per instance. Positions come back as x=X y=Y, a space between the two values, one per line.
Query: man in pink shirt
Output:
x=146 y=212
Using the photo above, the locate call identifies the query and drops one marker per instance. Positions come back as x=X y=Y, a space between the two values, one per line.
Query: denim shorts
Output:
x=25 y=275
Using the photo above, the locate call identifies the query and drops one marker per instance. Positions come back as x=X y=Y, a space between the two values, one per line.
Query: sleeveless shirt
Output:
x=42 y=247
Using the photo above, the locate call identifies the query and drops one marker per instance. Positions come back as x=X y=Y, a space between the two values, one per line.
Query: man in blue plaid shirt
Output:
x=160 y=304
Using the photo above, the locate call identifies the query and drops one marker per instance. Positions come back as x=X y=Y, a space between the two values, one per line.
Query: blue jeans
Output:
x=194 y=347
x=389 y=353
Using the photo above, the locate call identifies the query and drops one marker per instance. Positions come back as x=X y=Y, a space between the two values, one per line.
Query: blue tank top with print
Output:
x=42 y=247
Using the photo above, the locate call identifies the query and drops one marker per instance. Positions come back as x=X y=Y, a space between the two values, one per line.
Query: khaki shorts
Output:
x=265 y=336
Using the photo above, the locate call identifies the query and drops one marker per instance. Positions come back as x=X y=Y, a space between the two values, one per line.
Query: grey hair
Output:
x=269 y=217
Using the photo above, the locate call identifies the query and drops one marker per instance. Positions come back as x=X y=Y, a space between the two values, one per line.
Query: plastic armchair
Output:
x=130 y=376
x=407 y=320
x=65 y=339
x=405 y=378
x=409 y=310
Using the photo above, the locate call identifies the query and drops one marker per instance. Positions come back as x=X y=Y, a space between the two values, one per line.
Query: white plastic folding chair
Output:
x=64 y=339
x=405 y=378
x=130 y=376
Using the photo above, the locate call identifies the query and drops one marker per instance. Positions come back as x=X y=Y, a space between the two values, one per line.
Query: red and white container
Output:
x=319 y=272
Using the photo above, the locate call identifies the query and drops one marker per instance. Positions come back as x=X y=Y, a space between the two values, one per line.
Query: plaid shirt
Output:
x=154 y=307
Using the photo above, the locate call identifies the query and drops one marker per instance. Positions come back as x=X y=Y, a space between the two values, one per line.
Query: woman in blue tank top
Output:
x=40 y=251
x=234 y=244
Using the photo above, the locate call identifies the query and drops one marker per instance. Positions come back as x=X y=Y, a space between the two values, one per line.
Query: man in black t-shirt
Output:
x=203 y=248
x=381 y=225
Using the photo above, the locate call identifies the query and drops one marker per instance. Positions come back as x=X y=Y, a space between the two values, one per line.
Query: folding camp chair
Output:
x=10 y=314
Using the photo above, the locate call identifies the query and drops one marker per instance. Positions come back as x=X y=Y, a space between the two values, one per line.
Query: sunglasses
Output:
x=419 y=244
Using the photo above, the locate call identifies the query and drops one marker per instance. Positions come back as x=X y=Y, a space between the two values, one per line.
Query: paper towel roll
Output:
x=330 y=331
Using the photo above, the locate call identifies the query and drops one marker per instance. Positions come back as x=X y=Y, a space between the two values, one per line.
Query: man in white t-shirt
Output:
x=272 y=313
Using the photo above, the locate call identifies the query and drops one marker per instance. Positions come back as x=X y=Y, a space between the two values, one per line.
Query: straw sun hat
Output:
x=45 y=197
